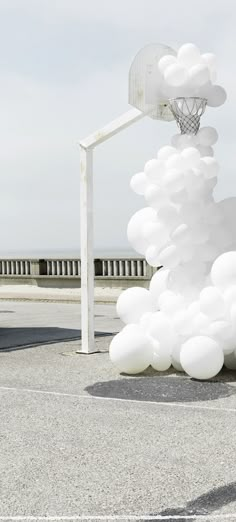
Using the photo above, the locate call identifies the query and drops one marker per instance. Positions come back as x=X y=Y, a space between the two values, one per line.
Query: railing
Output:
x=103 y=268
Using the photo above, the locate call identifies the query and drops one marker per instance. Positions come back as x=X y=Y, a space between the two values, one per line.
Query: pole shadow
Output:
x=205 y=504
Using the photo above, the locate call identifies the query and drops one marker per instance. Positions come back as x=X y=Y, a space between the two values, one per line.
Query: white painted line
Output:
x=227 y=516
x=114 y=399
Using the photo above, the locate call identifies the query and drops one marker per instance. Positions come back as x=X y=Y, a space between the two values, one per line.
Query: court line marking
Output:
x=114 y=399
x=227 y=516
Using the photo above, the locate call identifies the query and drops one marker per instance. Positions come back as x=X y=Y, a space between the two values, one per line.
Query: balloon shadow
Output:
x=161 y=389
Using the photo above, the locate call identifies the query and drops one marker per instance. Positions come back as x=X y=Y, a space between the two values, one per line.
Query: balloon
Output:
x=205 y=151
x=169 y=302
x=211 y=302
x=165 y=61
x=154 y=170
x=209 y=166
x=223 y=272
x=161 y=359
x=180 y=234
x=189 y=55
x=161 y=330
x=158 y=284
x=139 y=183
x=133 y=303
x=217 y=96
x=175 y=358
x=199 y=75
x=131 y=350
x=222 y=332
x=175 y=162
x=166 y=152
x=182 y=322
x=174 y=180
x=175 y=75
x=201 y=357
x=210 y=60
x=200 y=323
x=155 y=196
x=230 y=361
x=152 y=256
x=191 y=157
x=155 y=233
x=230 y=297
x=207 y=136
x=169 y=256
x=169 y=215
x=138 y=242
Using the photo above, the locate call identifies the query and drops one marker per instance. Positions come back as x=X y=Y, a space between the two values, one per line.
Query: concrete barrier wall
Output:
x=110 y=272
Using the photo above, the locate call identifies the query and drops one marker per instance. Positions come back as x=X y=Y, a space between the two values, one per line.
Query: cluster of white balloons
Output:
x=187 y=318
x=190 y=73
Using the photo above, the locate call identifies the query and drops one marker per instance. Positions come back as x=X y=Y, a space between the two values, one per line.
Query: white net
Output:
x=187 y=112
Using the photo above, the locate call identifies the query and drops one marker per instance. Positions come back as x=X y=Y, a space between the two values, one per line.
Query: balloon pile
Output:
x=187 y=318
x=190 y=73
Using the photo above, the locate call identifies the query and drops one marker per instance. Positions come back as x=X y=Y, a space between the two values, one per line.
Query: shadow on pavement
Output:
x=161 y=389
x=204 y=505
x=20 y=338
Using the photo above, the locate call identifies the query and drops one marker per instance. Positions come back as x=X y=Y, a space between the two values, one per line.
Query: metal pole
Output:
x=86 y=222
x=86 y=251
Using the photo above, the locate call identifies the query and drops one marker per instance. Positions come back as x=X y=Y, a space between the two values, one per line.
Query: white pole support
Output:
x=86 y=222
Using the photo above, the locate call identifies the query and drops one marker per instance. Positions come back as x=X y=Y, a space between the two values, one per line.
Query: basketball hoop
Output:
x=187 y=112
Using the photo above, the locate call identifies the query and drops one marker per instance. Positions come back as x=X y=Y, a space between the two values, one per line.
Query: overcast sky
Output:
x=64 y=73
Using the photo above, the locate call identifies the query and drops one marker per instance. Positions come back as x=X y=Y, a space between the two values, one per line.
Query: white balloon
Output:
x=161 y=359
x=169 y=215
x=223 y=272
x=210 y=60
x=145 y=321
x=230 y=297
x=230 y=361
x=200 y=323
x=152 y=256
x=133 y=303
x=175 y=75
x=161 y=330
x=189 y=55
x=199 y=75
x=175 y=162
x=182 y=322
x=154 y=170
x=175 y=358
x=156 y=197
x=209 y=166
x=174 y=180
x=165 y=61
x=169 y=256
x=201 y=357
x=207 y=136
x=169 y=302
x=155 y=233
x=222 y=332
x=180 y=234
x=191 y=157
x=212 y=302
x=139 y=183
x=166 y=152
x=138 y=242
x=217 y=96
x=200 y=233
x=131 y=350
x=158 y=284
x=205 y=151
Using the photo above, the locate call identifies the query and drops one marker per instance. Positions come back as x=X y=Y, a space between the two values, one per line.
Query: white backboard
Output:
x=145 y=82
